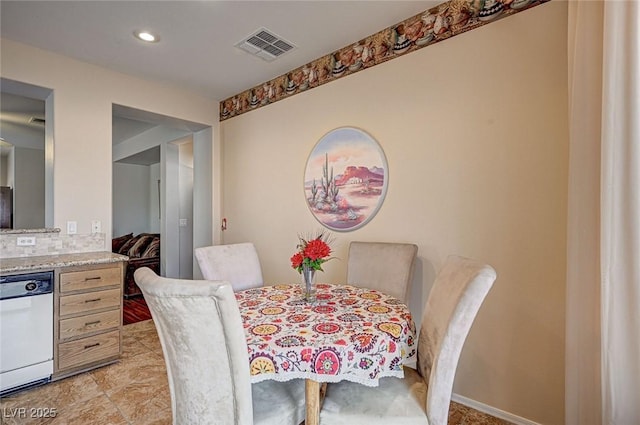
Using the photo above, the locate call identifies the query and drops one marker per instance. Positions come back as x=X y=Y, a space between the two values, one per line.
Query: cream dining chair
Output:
x=424 y=395
x=236 y=263
x=384 y=266
x=205 y=352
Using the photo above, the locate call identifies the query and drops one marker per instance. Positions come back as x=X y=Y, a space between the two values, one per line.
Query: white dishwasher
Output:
x=26 y=330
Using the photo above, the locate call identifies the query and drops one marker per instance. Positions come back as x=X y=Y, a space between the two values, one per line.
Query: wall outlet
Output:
x=72 y=227
x=96 y=226
x=26 y=241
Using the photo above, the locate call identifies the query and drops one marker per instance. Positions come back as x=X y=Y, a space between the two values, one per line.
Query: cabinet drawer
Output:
x=82 y=325
x=88 y=350
x=90 y=301
x=90 y=279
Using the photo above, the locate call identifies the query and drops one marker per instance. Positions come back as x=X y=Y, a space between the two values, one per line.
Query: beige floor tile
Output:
x=139 y=326
x=149 y=338
x=138 y=392
x=131 y=346
x=140 y=401
x=160 y=417
x=473 y=417
x=141 y=368
x=96 y=411
x=457 y=412
x=55 y=395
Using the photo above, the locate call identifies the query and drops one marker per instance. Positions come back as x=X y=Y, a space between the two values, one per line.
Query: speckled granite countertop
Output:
x=28 y=231
x=26 y=264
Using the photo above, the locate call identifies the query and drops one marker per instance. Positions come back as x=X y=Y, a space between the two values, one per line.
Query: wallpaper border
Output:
x=432 y=26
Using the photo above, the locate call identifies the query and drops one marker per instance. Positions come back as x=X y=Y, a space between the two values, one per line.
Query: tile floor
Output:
x=133 y=391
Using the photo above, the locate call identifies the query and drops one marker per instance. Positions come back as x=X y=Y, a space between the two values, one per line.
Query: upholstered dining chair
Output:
x=205 y=352
x=384 y=266
x=424 y=395
x=236 y=263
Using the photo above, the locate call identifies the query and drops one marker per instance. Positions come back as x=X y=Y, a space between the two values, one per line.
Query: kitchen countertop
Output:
x=27 y=264
x=29 y=231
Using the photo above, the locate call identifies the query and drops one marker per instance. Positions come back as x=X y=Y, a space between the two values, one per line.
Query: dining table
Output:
x=348 y=333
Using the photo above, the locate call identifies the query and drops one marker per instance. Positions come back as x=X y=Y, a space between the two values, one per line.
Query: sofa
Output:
x=143 y=250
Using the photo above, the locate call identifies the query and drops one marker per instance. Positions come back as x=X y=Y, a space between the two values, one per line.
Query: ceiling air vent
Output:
x=266 y=45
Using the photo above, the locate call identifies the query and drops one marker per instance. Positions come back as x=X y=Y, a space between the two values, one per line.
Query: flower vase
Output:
x=309 y=280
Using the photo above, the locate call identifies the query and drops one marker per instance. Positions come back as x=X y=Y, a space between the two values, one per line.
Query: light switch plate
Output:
x=96 y=226
x=72 y=227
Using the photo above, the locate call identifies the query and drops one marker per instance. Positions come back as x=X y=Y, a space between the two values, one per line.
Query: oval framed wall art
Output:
x=345 y=179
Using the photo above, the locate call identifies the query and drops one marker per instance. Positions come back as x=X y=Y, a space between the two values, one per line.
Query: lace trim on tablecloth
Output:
x=283 y=377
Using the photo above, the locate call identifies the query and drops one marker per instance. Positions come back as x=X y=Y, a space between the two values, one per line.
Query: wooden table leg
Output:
x=312 y=397
x=323 y=393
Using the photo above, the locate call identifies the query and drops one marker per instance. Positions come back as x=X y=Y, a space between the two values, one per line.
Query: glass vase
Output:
x=309 y=283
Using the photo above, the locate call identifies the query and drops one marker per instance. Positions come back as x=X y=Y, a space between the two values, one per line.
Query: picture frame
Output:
x=346 y=179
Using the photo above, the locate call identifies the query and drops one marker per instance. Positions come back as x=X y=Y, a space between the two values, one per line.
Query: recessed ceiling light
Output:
x=146 y=36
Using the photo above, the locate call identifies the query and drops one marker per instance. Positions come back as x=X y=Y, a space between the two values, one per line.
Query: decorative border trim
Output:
x=493 y=411
x=424 y=29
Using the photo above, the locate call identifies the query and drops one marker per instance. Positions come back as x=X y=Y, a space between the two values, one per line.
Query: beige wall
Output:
x=475 y=134
x=83 y=97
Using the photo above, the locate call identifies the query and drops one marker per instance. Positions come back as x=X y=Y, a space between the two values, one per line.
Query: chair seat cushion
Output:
x=395 y=401
x=278 y=403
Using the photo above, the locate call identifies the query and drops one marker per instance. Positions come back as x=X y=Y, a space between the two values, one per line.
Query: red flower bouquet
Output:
x=312 y=252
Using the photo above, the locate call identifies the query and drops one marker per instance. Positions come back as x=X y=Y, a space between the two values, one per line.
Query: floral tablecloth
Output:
x=350 y=333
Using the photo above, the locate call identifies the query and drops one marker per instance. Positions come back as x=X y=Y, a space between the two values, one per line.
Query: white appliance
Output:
x=26 y=330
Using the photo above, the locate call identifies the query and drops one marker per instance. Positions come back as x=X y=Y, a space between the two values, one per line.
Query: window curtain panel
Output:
x=603 y=248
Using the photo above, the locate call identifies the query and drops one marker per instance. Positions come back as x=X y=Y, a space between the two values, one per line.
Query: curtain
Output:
x=603 y=246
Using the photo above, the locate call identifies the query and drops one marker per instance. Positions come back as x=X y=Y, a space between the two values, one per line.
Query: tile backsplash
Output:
x=50 y=244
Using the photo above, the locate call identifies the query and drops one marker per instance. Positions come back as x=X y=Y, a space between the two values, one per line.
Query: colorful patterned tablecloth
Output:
x=350 y=333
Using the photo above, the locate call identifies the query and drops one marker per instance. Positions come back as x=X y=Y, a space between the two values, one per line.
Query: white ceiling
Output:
x=196 y=49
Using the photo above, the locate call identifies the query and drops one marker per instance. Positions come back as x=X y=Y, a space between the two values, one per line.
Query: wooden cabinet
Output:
x=88 y=317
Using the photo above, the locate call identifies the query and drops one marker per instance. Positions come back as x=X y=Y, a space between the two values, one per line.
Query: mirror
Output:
x=26 y=156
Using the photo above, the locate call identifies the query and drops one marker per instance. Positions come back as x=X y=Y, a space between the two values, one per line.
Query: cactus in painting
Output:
x=333 y=191
x=328 y=182
x=325 y=177
x=314 y=192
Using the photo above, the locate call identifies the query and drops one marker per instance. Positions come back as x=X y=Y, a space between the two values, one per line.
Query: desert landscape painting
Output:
x=345 y=179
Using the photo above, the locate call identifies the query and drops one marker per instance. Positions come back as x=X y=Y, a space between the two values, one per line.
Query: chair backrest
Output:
x=455 y=298
x=235 y=263
x=384 y=266
x=204 y=347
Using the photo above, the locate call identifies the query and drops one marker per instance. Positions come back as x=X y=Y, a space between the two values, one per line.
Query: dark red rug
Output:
x=135 y=310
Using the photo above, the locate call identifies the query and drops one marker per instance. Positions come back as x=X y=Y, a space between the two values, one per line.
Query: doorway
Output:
x=154 y=176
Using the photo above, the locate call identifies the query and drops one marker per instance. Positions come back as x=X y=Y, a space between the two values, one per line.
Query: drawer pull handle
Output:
x=93 y=300
x=92 y=278
x=95 y=322
x=91 y=345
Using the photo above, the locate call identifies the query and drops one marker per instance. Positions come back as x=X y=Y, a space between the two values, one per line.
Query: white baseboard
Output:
x=490 y=410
